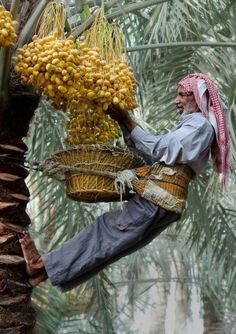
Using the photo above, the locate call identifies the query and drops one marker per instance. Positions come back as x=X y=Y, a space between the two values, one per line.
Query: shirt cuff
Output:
x=126 y=133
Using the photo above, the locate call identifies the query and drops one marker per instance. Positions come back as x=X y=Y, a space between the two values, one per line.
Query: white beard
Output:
x=187 y=112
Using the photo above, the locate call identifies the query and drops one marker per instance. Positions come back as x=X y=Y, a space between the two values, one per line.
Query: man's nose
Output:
x=177 y=100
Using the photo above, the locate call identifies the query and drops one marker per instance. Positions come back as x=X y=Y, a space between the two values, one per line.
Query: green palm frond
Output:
x=50 y=306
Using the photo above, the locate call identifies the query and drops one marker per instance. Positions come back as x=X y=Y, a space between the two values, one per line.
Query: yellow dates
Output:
x=77 y=79
x=7 y=28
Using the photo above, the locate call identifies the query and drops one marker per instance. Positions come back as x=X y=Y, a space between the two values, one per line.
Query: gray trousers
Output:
x=111 y=236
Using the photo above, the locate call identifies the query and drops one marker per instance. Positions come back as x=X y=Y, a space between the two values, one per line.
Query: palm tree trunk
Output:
x=213 y=323
x=17 y=315
x=17 y=106
x=181 y=295
x=158 y=314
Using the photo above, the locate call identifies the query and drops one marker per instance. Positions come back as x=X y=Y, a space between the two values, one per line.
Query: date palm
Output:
x=165 y=39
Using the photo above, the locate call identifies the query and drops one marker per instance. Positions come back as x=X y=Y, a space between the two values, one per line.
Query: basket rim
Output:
x=116 y=151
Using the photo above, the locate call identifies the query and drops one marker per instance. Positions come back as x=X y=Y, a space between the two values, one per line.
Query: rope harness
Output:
x=163 y=185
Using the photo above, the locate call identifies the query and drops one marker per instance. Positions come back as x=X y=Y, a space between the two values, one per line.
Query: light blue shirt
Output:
x=188 y=143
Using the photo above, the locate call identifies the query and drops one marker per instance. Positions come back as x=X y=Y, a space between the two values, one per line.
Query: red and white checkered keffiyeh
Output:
x=212 y=108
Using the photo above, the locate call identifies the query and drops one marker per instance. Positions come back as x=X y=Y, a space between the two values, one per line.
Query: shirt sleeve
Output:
x=181 y=145
x=130 y=142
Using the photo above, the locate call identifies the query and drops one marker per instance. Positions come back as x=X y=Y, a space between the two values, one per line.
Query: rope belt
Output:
x=163 y=185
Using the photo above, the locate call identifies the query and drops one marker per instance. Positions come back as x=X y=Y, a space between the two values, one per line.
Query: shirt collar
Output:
x=190 y=115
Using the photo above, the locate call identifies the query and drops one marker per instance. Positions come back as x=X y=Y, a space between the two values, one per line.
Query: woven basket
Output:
x=86 y=187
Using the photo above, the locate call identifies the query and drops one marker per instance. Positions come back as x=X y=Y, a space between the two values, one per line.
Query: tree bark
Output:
x=17 y=315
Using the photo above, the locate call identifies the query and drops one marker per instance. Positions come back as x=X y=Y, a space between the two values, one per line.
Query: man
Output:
x=201 y=129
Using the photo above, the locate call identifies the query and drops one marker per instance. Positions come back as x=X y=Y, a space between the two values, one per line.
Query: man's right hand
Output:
x=122 y=117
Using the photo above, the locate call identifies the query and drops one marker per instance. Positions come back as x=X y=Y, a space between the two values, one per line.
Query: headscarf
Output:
x=212 y=107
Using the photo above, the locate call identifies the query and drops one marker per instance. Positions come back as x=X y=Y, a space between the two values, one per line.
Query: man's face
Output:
x=186 y=104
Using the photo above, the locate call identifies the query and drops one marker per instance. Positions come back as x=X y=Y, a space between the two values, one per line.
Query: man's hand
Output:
x=122 y=117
